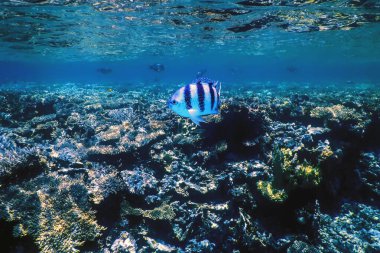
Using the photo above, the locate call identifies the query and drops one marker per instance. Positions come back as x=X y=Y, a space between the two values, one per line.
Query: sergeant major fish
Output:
x=199 y=98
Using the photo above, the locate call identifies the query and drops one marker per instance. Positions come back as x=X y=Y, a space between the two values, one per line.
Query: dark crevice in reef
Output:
x=143 y=153
x=45 y=108
x=134 y=221
x=114 y=159
x=108 y=212
x=245 y=153
x=89 y=246
x=107 y=215
x=23 y=173
x=372 y=135
x=10 y=244
x=341 y=180
x=281 y=218
x=158 y=171
x=139 y=201
x=238 y=125
x=162 y=230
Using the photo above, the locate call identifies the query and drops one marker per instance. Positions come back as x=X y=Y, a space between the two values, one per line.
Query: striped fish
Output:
x=201 y=97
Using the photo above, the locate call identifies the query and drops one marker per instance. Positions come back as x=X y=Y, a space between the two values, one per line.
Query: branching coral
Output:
x=64 y=230
x=104 y=181
x=121 y=115
x=16 y=161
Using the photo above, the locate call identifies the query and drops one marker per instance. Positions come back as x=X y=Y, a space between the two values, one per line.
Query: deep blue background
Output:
x=182 y=70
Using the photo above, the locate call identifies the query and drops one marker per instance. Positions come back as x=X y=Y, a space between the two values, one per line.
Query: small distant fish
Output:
x=199 y=98
x=234 y=70
x=158 y=67
x=291 y=69
x=104 y=71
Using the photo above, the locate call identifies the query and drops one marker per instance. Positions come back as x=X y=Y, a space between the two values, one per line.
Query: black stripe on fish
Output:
x=201 y=96
x=212 y=95
x=188 y=97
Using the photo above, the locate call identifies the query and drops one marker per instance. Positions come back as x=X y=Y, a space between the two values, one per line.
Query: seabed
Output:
x=283 y=168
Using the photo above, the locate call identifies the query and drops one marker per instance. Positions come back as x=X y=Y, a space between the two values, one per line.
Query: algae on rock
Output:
x=289 y=173
x=163 y=212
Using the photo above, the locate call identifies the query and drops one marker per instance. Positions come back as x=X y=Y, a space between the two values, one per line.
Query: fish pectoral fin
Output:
x=195 y=118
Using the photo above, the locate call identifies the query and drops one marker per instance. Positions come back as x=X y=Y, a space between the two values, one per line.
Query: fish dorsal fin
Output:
x=203 y=80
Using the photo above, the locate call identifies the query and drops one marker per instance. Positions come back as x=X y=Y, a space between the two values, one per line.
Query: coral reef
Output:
x=278 y=170
x=17 y=160
x=292 y=170
x=57 y=216
x=355 y=229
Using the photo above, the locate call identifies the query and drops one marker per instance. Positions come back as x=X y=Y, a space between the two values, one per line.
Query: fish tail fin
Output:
x=218 y=87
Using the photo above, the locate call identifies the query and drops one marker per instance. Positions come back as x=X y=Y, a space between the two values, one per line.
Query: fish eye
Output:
x=173 y=102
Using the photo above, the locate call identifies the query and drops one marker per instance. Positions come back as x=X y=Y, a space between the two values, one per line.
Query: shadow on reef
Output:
x=342 y=179
x=240 y=128
x=372 y=137
x=281 y=218
x=10 y=244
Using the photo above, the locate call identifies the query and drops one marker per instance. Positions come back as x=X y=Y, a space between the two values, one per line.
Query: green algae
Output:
x=266 y=188
x=289 y=173
x=162 y=212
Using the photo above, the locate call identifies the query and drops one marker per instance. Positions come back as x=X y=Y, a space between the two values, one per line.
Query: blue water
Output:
x=85 y=130
x=305 y=41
